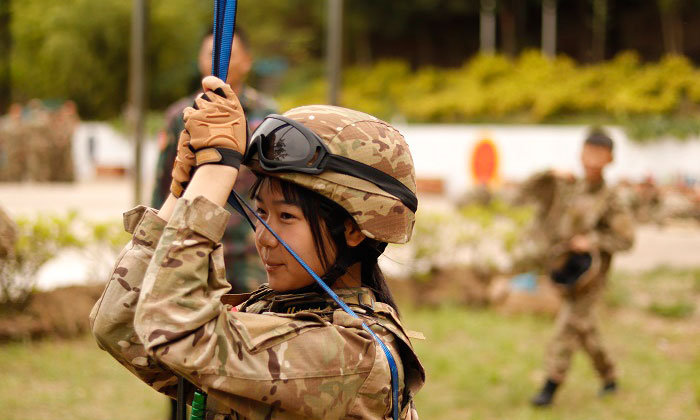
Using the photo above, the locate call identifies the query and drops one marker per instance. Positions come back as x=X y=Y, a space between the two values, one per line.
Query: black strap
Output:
x=181 y=412
x=368 y=173
x=229 y=157
x=232 y=200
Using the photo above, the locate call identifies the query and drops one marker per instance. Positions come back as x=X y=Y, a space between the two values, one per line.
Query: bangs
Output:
x=292 y=194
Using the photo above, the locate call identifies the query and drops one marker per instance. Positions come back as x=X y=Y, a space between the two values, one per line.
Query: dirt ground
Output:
x=59 y=313
x=674 y=245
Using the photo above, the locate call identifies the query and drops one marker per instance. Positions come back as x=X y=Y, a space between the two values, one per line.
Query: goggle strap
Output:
x=390 y=358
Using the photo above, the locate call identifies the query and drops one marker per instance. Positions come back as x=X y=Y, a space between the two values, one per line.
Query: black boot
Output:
x=609 y=388
x=545 y=396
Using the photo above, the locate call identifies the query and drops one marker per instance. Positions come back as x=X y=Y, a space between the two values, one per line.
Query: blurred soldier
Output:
x=13 y=150
x=64 y=122
x=243 y=267
x=39 y=142
x=584 y=224
x=8 y=236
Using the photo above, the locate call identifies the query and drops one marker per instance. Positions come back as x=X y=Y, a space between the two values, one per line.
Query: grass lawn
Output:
x=480 y=365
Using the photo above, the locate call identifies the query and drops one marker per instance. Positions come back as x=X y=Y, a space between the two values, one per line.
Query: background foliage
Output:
x=78 y=49
x=650 y=98
x=44 y=237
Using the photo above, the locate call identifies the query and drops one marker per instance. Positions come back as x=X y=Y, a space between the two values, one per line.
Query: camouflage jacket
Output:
x=165 y=311
x=568 y=206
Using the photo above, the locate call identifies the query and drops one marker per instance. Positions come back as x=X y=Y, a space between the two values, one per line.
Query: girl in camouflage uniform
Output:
x=285 y=351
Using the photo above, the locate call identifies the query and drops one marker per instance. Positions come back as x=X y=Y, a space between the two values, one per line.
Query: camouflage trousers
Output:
x=576 y=327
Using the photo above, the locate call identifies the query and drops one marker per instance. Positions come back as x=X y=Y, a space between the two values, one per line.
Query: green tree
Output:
x=78 y=49
x=5 y=47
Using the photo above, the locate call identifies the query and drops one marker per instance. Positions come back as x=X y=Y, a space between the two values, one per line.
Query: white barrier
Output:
x=444 y=151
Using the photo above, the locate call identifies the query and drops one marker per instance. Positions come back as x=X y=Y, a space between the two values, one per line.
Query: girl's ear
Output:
x=353 y=235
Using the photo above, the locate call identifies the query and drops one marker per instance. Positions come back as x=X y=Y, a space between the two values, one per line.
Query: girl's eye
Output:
x=286 y=216
x=260 y=211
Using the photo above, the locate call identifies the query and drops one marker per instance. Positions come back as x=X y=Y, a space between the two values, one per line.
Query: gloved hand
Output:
x=217 y=125
x=184 y=162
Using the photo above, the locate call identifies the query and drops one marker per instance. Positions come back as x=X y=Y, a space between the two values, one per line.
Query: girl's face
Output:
x=284 y=273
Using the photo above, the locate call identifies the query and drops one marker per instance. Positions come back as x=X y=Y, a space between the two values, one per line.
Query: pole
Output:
x=5 y=53
x=549 y=27
x=137 y=87
x=334 y=49
x=487 y=27
x=600 y=21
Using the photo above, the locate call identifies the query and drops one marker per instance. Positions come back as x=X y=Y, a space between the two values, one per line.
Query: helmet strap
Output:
x=368 y=249
x=342 y=262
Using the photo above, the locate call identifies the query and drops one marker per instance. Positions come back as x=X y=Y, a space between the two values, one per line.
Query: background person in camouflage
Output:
x=36 y=143
x=581 y=220
x=13 y=150
x=285 y=351
x=8 y=236
x=243 y=267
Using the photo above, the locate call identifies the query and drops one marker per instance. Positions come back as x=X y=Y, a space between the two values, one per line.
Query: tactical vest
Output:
x=312 y=300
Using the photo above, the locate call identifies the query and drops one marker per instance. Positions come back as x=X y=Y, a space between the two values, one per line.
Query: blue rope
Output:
x=343 y=305
x=224 y=29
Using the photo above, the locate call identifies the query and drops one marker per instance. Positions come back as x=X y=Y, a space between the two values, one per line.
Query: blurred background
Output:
x=486 y=92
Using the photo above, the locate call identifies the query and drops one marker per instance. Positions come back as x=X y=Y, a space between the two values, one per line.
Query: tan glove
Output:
x=184 y=162
x=217 y=125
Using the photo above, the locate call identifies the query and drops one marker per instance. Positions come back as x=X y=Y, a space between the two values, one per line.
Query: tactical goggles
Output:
x=285 y=145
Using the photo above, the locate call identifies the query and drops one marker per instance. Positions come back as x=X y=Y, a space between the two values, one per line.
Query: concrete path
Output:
x=677 y=245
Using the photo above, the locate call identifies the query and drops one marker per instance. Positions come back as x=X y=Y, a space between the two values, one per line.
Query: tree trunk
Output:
x=507 y=20
x=549 y=27
x=5 y=50
x=671 y=26
x=487 y=27
x=600 y=22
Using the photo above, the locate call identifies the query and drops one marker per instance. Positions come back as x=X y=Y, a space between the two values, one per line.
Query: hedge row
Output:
x=528 y=89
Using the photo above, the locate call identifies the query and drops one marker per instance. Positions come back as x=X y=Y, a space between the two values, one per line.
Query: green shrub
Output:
x=650 y=99
x=38 y=241
x=42 y=238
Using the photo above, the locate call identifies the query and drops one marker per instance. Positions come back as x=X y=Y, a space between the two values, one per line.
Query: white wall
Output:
x=444 y=151
x=112 y=148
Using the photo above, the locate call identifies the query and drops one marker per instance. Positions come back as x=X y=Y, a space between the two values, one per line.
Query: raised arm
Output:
x=112 y=317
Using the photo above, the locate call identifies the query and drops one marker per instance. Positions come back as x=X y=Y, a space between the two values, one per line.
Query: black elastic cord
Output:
x=233 y=202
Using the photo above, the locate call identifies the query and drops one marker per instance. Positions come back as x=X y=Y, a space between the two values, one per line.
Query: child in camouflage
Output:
x=285 y=351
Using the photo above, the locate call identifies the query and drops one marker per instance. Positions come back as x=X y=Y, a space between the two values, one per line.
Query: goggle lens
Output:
x=282 y=142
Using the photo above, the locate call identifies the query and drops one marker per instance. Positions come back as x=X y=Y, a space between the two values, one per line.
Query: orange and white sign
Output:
x=484 y=162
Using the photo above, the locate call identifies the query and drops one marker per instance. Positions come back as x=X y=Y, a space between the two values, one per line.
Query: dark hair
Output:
x=240 y=34
x=318 y=209
x=598 y=137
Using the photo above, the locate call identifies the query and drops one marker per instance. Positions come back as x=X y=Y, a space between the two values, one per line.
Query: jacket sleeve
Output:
x=112 y=317
x=615 y=229
x=298 y=363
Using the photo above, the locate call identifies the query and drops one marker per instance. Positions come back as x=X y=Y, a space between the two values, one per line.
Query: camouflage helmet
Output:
x=366 y=139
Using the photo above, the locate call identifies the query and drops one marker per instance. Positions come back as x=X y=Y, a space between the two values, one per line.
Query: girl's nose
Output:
x=264 y=237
